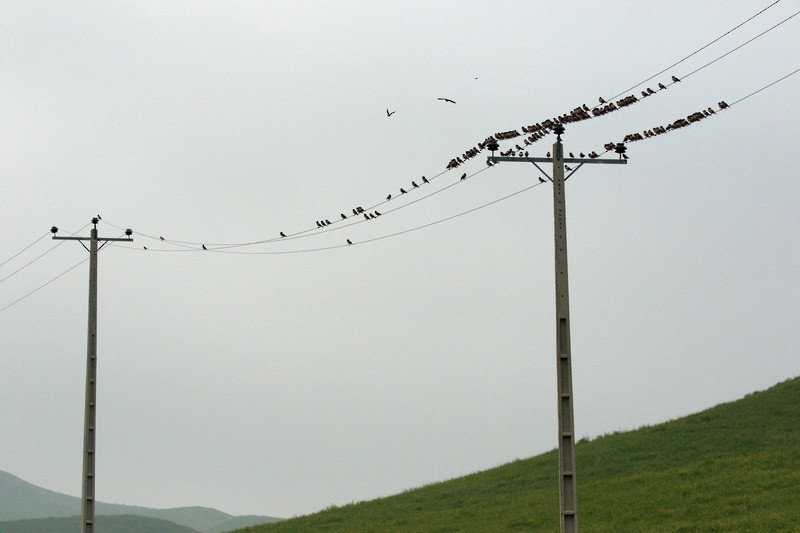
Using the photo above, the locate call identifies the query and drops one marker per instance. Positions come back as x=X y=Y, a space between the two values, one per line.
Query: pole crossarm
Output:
x=127 y=239
x=597 y=161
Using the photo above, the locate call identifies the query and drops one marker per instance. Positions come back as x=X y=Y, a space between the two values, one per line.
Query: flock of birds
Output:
x=535 y=132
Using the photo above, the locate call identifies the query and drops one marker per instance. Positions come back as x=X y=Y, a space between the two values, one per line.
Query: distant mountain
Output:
x=106 y=524
x=20 y=500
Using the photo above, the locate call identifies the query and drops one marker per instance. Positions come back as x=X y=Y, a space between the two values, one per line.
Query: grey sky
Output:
x=280 y=384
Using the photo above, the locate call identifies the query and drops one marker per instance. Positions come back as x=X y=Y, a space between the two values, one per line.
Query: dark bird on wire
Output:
x=327 y=222
x=447 y=100
x=389 y=197
x=661 y=86
x=582 y=154
x=541 y=179
x=463 y=176
x=343 y=216
x=377 y=214
x=366 y=216
x=414 y=183
x=425 y=180
x=99 y=217
x=355 y=212
x=390 y=114
x=675 y=79
x=162 y=238
x=547 y=154
x=402 y=191
x=204 y=247
x=283 y=234
x=567 y=168
x=145 y=247
x=601 y=100
x=349 y=241
x=570 y=154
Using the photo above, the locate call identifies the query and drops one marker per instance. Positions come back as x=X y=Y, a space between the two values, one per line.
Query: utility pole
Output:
x=567 y=483
x=87 y=492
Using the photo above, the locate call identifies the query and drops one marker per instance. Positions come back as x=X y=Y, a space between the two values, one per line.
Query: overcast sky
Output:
x=258 y=382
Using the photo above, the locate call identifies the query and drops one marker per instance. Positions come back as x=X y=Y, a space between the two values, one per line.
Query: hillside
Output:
x=20 y=500
x=734 y=467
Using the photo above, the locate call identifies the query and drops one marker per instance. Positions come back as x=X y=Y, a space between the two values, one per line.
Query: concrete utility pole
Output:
x=568 y=495
x=87 y=493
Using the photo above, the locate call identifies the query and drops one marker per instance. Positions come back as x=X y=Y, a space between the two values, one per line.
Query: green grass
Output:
x=734 y=467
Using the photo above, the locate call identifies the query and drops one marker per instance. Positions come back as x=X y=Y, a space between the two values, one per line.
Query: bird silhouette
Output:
x=366 y=216
x=582 y=154
x=283 y=234
x=425 y=180
x=377 y=214
x=343 y=216
x=414 y=184
x=675 y=79
x=162 y=238
x=601 y=100
x=541 y=179
x=145 y=247
x=567 y=168
x=402 y=191
x=389 y=197
x=99 y=217
x=204 y=247
x=463 y=176
x=570 y=154
x=349 y=241
x=390 y=114
x=447 y=100
x=547 y=154
x=327 y=222
x=319 y=224
x=661 y=86
x=355 y=212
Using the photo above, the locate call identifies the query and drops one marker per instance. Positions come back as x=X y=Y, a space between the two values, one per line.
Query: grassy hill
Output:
x=734 y=467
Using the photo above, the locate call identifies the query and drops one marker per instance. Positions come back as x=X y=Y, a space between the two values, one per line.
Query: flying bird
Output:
x=447 y=100
x=390 y=114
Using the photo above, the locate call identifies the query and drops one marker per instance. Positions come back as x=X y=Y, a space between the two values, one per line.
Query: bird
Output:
x=389 y=197
x=390 y=114
x=343 y=216
x=541 y=179
x=624 y=156
x=355 y=212
x=327 y=222
x=414 y=183
x=675 y=79
x=145 y=247
x=366 y=217
x=425 y=180
x=99 y=217
x=582 y=154
x=570 y=154
x=283 y=234
x=402 y=191
x=349 y=241
x=463 y=176
x=319 y=224
x=650 y=91
x=601 y=100
x=377 y=214
x=661 y=86
x=567 y=168
x=162 y=238
x=447 y=100
x=204 y=247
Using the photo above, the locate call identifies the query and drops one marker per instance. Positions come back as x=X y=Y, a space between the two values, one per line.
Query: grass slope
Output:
x=734 y=467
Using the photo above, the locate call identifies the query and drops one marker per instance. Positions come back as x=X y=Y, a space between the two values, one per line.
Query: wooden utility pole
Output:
x=567 y=482
x=89 y=419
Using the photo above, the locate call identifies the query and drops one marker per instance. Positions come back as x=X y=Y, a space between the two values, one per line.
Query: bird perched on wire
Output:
x=389 y=197
x=425 y=180
x=162 y=238
x=447 y=100
x=675 y=79
x=601 y=100
x=414 y=184
x=204 y=247
x=349 y=241
x=661 y=86
x=343 y=216
x=463 y=176
x=402 y=191
x=541 y=179
x=283 y=234
x=390 y=114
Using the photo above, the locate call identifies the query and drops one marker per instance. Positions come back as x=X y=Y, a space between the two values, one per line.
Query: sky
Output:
x=284 y=377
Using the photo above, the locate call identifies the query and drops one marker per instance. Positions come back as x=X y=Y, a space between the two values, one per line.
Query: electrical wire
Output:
x=31 y=244
x=37 y=257
x=76 y=265
x=695 y=52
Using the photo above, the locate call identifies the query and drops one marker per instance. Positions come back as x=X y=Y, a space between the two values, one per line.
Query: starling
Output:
x=349 y=241
x=145 y=247
x=343 y=216
x=283 y=234
x=661 y=86
x=414 y=184
x=582 y=154
x=675 y=79
x=162 y=238
x=366 y=217
x=355 y=212
x=377 y=214
x=601 y=100
x=541 y=179
x=570 y=154
x=402 y=191
x=389 y=197
x=204 y=247
x=463 y=176
x=425 y=180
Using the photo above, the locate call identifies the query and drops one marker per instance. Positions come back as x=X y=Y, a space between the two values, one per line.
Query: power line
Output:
x=31 y=244
x=696 y=51
x=765 y=87
x=44 y=284
x=35 y=258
